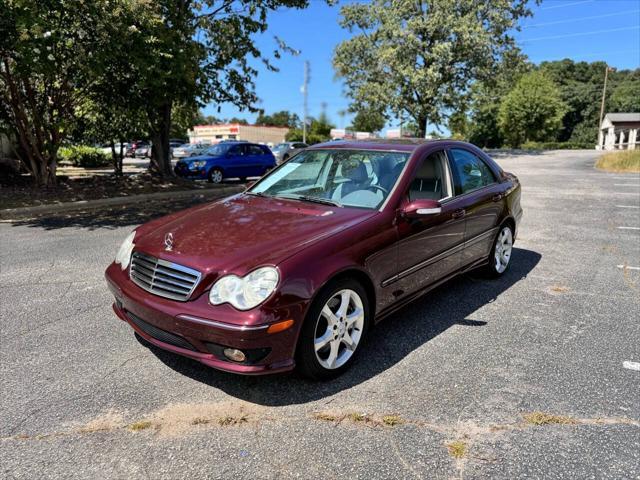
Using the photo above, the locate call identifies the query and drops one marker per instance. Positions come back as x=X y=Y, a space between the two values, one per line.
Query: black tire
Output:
x=306 y=359
x=215 y=176
x=491 y=269
x=285 y=157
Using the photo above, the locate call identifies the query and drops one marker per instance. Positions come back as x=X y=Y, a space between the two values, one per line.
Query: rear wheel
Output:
x=215 y=175
x=500 y=257
x=333 y=330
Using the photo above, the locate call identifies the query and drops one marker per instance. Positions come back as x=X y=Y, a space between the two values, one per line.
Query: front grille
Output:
x=163 y=278
x=159 y=334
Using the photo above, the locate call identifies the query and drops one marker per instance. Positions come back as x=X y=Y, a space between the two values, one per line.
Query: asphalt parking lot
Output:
x=532 y=375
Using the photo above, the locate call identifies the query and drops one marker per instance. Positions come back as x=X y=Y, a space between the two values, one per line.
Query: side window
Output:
x=236 y=151
x=469 y=171
x=254 y=150
x=430 y=181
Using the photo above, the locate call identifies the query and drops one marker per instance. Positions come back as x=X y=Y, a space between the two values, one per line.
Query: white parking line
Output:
x=629 y=228
x=631 y=365
x=627 y=267
x=628 y=206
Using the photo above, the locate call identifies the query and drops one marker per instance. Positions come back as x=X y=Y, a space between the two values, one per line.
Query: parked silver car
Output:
x=190 y=150
x=284 y=150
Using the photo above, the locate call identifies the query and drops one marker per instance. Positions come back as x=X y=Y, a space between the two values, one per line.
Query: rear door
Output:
x=430 y=247
x=481 y=197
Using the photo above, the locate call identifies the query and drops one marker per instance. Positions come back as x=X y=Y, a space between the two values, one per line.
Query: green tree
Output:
x=201 y=50
x=319 y=131
x=485 y=98
x=532 y=111
x=283 y=118
x=368 y=120
x=419 y=58
x=51 y=54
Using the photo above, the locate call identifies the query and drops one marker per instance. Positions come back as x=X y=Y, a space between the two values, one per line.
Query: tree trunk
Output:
x=160 y=153
x=116 y=158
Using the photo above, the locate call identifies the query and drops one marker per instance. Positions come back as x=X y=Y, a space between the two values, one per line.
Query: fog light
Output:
x=234 y=354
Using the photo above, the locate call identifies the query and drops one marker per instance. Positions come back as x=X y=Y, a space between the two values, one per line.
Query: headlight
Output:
x=245 y=292
x=198 y=164
x=124 y=254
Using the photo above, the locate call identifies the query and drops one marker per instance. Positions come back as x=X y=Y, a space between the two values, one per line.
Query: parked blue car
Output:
x=229 y=159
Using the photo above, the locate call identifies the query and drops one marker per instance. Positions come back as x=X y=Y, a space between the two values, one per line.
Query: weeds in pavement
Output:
x=141 y=425
x=327 y=417
x=542 y=418
x=200 y=421
x=457 y=448
x=229 y=420
x=392 y=420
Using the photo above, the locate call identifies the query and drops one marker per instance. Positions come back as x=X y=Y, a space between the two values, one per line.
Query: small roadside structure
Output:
x=619 y=131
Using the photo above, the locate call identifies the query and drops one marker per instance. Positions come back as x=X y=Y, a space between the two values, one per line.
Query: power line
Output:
x=572 y=20
x=566 y=5
x=581 y=34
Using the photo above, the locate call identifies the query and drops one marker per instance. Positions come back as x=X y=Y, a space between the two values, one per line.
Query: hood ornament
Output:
x=168 y=242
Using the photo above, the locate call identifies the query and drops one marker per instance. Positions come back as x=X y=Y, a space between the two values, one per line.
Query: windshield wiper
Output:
x=306 y=198
x=257 y=194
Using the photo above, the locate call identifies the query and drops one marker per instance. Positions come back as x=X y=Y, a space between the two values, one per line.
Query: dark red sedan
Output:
x=295 y=270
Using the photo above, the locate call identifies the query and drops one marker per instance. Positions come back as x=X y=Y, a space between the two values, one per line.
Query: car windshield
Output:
x=216 y=150
x=280 y=146
x=356 y=178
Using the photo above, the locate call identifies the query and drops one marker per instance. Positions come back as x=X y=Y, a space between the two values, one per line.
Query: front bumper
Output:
x=182 y=328
x=183 y=170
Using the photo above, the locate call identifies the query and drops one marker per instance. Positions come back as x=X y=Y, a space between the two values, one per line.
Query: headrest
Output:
x=355 y=170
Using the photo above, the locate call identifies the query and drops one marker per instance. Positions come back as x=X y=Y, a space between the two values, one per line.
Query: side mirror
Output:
x=422 y=207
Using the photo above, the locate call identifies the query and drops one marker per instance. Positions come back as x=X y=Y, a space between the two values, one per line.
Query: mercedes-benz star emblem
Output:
x=168 y=242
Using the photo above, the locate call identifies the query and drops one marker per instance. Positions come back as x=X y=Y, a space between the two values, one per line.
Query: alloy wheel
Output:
x=503 y=248
x=339 y=329
x=216 y=176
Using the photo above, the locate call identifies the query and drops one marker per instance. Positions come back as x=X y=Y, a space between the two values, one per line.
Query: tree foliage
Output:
x=532 y=111
x=368 y=120
x=50 y=56
x=319 y=131
x=283 y=118
x=419 y=58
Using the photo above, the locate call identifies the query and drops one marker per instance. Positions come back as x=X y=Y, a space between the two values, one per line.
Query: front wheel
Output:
x=500 y=257
x=215 y=175
x=333 y=330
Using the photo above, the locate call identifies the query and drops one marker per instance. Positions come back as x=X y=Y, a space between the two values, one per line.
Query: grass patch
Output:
x=229 y=420
x=358 y=417
x=623 y=161
x=327 y=417
x=392 y=420
x=542 y=418
x=457 y=448
x=141 y=425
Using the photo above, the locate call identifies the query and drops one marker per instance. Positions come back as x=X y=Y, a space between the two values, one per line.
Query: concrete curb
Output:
x=16 y=213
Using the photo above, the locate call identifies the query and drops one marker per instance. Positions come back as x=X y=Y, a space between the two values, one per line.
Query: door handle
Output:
x=458 y=213
x=497 y=197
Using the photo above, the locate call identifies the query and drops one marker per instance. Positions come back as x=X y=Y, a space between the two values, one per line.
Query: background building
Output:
x=236 y=131
x=619 y=131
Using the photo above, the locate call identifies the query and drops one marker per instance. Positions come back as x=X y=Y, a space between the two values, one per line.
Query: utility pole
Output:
x=305 y=93
x=604 y=93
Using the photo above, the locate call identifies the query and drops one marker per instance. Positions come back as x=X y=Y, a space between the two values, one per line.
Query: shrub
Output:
x=557 y=146
x=84 y=156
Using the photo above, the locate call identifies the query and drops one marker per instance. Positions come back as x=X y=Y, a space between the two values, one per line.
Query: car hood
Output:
x=240 y=233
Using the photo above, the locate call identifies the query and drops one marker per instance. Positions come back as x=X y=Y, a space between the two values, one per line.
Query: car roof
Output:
x=400 y=144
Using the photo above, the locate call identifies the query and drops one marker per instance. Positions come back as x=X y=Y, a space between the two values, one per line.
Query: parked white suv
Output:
x=284 y=150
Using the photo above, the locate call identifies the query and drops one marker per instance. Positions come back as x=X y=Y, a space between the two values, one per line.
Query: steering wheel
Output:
x=384 y=190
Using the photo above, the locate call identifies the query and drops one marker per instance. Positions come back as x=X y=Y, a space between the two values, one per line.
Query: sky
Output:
x=582 y=30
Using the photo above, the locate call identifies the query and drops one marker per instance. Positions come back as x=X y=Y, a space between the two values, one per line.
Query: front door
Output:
x=481 y=198
x=430 y=246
